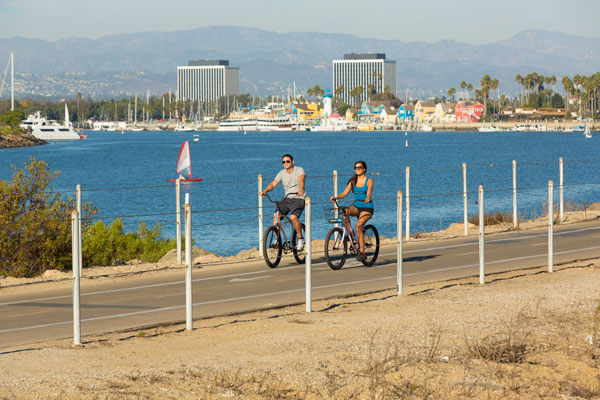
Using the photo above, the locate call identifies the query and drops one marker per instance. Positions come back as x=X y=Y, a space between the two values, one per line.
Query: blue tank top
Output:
x=360 y=194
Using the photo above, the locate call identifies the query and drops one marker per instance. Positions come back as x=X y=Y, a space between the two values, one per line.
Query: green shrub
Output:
x=35 y=224
x=12 y=118
x=103 y=245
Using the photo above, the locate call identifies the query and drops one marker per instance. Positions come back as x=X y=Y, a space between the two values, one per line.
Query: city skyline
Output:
x=470 y=21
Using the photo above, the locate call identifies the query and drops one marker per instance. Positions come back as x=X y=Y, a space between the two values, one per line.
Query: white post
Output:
x=399 y=254
x=562 y=203
x=514 y=171
x=178 y=217
x=481 y=238
x=308 y=255
x=407 y=188
x=260 y=216
x=76 y=283
x=550 y=226
x=187 y=255
x=78 y=191
x=465 y=201
x=188 y=272
x=335 y=193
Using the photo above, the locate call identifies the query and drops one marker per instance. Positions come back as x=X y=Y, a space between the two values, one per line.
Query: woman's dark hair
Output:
x=352 y=181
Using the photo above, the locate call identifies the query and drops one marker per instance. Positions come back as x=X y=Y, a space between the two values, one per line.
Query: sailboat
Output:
x=184 y=165
x=586 y=131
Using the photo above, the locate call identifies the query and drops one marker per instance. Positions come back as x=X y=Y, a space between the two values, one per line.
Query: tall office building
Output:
x=207 y=80
x=363 y=70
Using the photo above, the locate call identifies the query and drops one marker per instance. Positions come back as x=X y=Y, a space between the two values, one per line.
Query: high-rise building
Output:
x=363 y=70
x=207 y=80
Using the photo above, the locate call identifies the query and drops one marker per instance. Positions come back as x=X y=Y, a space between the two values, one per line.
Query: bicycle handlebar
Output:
x=277 y=202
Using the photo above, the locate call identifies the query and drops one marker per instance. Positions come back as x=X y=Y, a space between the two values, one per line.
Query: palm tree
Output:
x=485 y=82
x=568 y=85
x=469 y=88
x=494 y=86
x=451 y=92
x=519 y=80
x=355 y=93
x=371 y=90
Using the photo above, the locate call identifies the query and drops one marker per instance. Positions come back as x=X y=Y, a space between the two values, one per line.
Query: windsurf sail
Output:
x=184 y=163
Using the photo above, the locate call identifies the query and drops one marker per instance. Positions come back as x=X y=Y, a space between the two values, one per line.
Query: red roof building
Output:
x=468 y=111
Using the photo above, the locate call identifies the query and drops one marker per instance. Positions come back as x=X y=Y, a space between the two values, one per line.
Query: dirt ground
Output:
x=524 y=334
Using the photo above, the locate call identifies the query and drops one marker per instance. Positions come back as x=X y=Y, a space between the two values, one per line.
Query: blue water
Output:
x=141 y=159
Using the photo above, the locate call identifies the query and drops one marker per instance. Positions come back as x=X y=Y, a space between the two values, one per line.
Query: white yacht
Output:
x=49 y=130
x=237 y=124
x=183 y=128
x=274 y=124
x=331 y=125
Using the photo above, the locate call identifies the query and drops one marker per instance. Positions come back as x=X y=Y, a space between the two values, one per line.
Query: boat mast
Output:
x=12 y=81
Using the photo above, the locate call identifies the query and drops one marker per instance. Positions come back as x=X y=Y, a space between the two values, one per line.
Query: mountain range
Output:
x=271 y=62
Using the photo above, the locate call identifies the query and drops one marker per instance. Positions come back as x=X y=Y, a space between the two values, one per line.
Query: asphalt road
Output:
x=141 y=301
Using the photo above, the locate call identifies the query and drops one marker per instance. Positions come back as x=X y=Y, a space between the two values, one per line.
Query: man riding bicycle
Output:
x=293 y=183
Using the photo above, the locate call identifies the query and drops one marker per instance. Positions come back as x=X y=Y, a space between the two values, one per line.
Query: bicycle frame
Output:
x=347 y=228
x=287 y=244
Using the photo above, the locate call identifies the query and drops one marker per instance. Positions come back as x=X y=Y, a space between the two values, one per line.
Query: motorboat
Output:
x=331 y=125
x=49 y=130
x=183 y=128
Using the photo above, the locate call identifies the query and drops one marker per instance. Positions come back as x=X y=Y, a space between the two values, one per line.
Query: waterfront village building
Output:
x=363 y=70
x=444 y=112
x=307 y=111
x=424 y=110
x=389 y=116
x=468 y=111
x=406 y=112
x=351 y=114
x=207 y=80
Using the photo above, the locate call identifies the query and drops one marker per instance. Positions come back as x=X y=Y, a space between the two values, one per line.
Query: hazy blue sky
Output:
x=469 y=21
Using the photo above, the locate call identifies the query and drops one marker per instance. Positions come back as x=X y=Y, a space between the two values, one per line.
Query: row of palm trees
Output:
x=584 y=89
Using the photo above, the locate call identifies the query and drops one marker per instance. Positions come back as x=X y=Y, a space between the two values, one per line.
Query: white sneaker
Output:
x=300 y=244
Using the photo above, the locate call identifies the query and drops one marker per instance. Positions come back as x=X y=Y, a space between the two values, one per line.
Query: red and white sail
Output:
x=184 y=162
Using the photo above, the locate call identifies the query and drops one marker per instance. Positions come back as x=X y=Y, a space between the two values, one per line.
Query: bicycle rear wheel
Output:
x=336 y=248
x=371 y=245
x=272 y=246
x=299 y=255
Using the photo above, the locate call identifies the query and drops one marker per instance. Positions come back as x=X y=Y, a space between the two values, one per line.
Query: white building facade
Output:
x=207 y=80
x=363 y=70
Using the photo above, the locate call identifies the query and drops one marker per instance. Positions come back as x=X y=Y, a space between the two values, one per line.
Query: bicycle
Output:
x=273 y=243
x=339 y=239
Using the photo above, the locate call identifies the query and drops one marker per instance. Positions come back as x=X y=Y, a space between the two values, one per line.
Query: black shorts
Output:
x=293 y=206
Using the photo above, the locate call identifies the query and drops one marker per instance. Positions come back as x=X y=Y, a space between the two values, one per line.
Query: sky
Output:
x=475 y=22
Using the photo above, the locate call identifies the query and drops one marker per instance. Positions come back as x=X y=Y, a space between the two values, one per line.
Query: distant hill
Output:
x=270 y=62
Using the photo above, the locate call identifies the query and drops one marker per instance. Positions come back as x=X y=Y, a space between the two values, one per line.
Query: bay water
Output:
x=125 y=175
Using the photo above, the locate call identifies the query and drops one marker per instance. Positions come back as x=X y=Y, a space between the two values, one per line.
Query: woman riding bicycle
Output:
x=362 y=187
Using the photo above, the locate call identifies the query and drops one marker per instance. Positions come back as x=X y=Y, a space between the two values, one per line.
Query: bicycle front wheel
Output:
x=336 y=248
x=371 y=245
x=272 y=247
x=299 y=255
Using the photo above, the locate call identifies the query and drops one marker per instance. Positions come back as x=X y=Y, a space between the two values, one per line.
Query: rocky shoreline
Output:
x=23 y=140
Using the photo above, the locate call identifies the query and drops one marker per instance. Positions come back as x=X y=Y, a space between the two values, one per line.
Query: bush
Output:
x=496 y=218
x=12 y=118
x=103 y=245
x=35 y=224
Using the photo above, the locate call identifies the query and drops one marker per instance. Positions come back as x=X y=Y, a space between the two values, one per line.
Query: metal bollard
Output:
x=399 y=250
x=514 y=171
x=188 y=273
x=178 y=218
x=550 y=226
x=407 y=203
x=335 y=193
x=465 y=200
x=78 y=190
x=562 y=203
x=261 y=225
x=308 y=255
x=76 y=278
x=481 y=238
